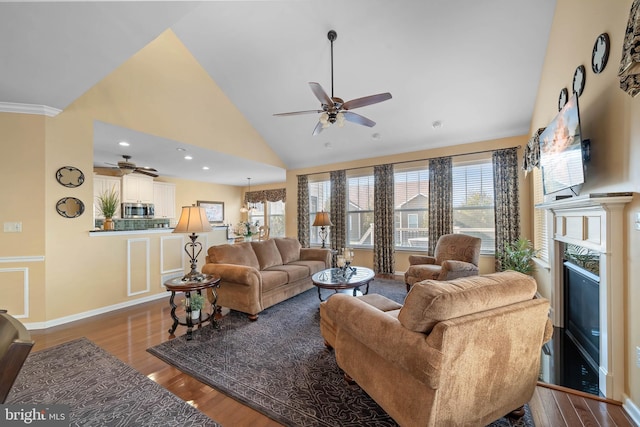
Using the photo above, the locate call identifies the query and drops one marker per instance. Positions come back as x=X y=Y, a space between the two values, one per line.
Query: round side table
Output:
x=187 y=286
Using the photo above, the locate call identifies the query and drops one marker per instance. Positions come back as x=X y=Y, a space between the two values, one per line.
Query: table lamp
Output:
x=193 y=219
x=322 y=220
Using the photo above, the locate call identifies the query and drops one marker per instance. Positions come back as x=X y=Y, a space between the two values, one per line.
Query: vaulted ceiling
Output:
x=472 y=66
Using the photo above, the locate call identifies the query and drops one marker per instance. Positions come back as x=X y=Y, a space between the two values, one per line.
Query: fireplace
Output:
x=582 y=311
x=594 y=222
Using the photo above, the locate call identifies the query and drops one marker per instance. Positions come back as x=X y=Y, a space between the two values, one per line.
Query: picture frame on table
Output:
x=213 y=210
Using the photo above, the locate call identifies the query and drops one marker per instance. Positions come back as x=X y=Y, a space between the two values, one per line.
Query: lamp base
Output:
x=194 y=276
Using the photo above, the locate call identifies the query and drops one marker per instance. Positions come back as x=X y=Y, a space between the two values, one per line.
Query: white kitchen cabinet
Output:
x=137 y=189
x=100 y=185
x=164 y=199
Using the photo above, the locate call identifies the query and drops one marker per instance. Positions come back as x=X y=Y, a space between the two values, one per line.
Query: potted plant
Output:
x=518 y=256
x=196 y=301
x=108 y=202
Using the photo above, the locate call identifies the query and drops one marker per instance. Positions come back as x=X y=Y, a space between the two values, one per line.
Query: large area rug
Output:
x=280 y=366
x=100 y=389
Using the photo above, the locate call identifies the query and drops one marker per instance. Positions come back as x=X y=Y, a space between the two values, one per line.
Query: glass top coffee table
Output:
x=337 y=280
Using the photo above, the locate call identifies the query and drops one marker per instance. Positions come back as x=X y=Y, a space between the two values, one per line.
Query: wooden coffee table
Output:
x=337 y=281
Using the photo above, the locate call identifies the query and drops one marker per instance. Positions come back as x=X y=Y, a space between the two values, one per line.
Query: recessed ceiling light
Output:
x=123 y=143
x=206 y=168
x=180 y=149
x=436 y=124
x=188 y=157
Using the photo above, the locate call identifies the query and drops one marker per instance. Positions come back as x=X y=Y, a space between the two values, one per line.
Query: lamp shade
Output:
x=322 y=220
x=193 y=219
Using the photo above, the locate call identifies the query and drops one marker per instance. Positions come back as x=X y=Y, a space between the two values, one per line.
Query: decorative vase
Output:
x=109 y=224
x=195 y=314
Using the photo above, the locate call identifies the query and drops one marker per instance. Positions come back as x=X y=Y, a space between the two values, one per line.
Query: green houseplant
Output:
x=108 y=202
x=196 y=301
x=518 y=256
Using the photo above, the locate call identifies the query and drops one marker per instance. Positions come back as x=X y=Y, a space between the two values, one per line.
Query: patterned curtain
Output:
x=629 y=71
x=383 y=212
x=440 y=200
x=303 y=211
x=338 y=209
x=274 y=195
x=507 y=198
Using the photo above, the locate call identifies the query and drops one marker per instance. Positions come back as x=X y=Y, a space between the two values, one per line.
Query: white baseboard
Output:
x=62 y=320
x=632 y=409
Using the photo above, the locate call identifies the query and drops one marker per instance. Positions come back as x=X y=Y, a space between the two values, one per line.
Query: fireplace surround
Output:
x=594 y=222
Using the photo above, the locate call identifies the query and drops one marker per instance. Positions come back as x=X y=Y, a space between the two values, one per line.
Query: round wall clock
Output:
x=600 y=54
x=579 y=78
x=562 y=99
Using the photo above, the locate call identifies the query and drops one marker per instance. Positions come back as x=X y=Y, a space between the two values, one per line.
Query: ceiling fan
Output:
x=126 y=167
x=334 y=109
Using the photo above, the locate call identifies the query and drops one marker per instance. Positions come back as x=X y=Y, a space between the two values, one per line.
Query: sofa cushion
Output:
x=238 y=254
x=294 y=272
x=273 y=279
x=289 y=249
x=267 y=253
x=430 y=301
x=312 y=266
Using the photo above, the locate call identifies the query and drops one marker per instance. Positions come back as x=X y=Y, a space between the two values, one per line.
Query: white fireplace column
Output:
x=595 y=222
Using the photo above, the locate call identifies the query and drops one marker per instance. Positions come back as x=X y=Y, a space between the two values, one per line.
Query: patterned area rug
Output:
x=100 y=389
x=280 y=366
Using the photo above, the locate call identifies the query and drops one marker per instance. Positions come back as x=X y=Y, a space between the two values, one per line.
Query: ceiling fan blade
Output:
x=317 y=129
x=295 y=113
x=320 y=94
x=145 y=172
x=366 y=100
x=357 y=118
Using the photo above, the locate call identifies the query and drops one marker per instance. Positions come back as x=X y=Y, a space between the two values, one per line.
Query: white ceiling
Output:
x=473 y=65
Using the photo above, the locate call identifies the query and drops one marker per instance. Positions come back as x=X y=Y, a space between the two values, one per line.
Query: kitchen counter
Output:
x=95 y=233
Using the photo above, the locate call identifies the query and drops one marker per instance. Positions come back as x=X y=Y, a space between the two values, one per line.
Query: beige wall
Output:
x=610 y=119
x=162 y=91
x=365 y=257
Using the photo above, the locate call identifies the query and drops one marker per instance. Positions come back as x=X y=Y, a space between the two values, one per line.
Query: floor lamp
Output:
x=323 y=221
x=193 y=219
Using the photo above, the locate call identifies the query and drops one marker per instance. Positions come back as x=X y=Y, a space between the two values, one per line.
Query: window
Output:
x=360 y=211
x=275 y=218
x=473 y=201
x=319 y=200
x=540 y=232
x=411 y=203
x=256 y=214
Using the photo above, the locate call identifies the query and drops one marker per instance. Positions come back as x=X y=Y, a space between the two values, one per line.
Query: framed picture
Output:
x=214 y=211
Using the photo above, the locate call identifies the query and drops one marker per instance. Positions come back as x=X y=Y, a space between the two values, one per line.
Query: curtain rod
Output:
x=517 y=147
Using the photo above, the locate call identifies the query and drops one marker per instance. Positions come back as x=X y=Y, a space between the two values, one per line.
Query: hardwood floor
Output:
x=127 y=333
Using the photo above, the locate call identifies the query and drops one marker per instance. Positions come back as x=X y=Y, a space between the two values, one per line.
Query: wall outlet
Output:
x=12 y=227
x=638 y=356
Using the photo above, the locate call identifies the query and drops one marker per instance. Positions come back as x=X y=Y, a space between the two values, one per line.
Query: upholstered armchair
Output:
x=456 y=255
x=457 y=353
x=15 y=345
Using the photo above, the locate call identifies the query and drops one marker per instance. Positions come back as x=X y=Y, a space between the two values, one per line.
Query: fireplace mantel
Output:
x=596 y=222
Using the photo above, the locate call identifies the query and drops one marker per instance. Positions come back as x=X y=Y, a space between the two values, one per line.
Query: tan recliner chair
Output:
x=459 y=353
x=456 y=255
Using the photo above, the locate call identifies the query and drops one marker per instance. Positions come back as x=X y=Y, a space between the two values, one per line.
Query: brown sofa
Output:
x=464 y=352
x=257 y=275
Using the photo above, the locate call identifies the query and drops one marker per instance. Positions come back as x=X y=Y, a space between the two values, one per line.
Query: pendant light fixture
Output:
x=247 y=207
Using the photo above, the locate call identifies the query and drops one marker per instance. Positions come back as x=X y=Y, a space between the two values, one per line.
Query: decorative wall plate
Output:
x=600 y=54
x=70 y=207
x=579 y=78
x=562 y=99
x=70 y=176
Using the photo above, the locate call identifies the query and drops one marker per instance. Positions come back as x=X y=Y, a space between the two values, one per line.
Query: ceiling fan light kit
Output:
x=334 y=109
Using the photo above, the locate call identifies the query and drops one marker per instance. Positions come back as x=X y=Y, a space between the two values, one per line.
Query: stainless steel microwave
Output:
x=137 y=210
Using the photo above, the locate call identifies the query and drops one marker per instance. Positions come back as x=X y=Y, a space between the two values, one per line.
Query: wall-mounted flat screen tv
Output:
x=561 y=159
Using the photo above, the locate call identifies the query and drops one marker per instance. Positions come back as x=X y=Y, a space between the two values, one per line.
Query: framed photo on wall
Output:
x=214 y=211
